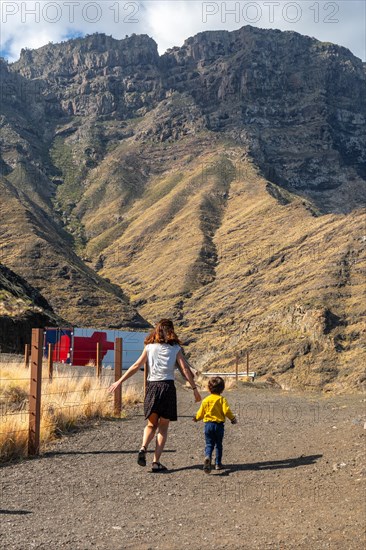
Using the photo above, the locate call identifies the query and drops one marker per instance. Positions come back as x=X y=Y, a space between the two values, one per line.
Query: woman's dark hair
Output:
x=216 y=385
x=163 y=333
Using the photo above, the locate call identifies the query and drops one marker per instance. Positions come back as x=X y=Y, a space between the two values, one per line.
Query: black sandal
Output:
x=141 y=457
x=158 y=467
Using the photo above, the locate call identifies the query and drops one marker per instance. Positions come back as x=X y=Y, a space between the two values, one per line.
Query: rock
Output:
x=22 y=308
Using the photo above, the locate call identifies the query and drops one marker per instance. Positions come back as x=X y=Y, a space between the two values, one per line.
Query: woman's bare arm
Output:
x=130 y=372
x=188 y=374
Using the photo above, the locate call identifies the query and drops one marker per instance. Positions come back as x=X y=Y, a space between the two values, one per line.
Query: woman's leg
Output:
x=150 y=429
x=161 y=438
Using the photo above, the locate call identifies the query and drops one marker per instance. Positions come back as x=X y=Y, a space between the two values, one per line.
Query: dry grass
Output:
x=204 y=361
x=132 y=395
x=68 y=402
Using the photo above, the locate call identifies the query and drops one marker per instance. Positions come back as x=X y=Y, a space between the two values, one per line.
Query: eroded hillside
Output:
x=243 y=265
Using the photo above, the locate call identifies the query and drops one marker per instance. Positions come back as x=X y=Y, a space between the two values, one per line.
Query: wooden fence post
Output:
x=118 y=349
x=99 y=360
x=26 y=356
x=50 y=362
x=35 y=392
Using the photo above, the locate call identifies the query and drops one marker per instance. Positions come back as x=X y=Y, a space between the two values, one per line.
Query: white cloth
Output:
x=161 y=361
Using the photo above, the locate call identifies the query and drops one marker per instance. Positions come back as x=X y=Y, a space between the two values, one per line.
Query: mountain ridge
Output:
x=220 y=87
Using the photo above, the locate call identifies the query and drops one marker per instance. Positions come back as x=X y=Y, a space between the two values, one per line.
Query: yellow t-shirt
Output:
x=214 y=408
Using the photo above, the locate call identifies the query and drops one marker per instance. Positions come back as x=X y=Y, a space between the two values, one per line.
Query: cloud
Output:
x=31 y=24
x=171 y=23
x=34 y=24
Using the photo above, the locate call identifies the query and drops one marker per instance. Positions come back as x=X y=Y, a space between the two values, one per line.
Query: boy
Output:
x=213 y=411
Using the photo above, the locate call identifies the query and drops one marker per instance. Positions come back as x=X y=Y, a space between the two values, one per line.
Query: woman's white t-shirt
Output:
x=161 y=361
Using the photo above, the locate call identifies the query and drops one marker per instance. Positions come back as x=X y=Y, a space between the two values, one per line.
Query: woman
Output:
x=162 y=351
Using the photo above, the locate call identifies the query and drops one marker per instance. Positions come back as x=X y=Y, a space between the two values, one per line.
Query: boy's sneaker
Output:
x=207 y=465
x=218 y=466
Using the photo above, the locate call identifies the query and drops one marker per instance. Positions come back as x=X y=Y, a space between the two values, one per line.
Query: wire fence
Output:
x=45 y=403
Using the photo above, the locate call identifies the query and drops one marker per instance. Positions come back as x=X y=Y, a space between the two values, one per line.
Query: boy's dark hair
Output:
x=216 y=385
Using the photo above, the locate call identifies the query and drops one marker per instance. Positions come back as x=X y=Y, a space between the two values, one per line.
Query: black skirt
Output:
x=161 y=398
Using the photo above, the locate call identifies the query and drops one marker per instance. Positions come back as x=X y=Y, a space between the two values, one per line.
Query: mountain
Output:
x=34 y=240
x=222 y=183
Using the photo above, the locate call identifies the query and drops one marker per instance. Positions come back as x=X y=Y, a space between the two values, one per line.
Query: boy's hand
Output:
x=194 y=419
x=234 y=421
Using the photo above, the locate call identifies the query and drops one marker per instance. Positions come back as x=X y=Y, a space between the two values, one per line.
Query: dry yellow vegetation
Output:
x=68 y=402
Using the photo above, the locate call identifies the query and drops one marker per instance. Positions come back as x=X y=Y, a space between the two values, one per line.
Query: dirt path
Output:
x=294 y=479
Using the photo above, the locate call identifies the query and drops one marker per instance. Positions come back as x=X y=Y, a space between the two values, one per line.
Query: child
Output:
x=213 y=411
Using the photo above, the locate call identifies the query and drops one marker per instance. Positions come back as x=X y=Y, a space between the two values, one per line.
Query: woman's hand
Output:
x=197 y=396
x=114 y=386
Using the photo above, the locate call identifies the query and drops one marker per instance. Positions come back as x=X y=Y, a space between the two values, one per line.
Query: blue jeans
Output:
x=214 y=434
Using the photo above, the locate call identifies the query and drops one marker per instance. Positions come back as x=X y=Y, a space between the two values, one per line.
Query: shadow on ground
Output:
x=267 y=465
x=15 y=512
x=51 y=454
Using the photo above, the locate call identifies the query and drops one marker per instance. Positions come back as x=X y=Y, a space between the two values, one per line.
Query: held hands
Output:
x=113 y=386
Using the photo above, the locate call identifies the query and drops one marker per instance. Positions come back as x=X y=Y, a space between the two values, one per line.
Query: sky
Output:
x=32 y=24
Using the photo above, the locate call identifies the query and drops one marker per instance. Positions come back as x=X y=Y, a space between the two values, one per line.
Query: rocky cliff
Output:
x=22 y=308
x=97 y=75
x=297 y=103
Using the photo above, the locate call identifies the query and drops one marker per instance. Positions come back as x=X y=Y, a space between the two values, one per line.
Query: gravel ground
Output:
x=294 y=478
